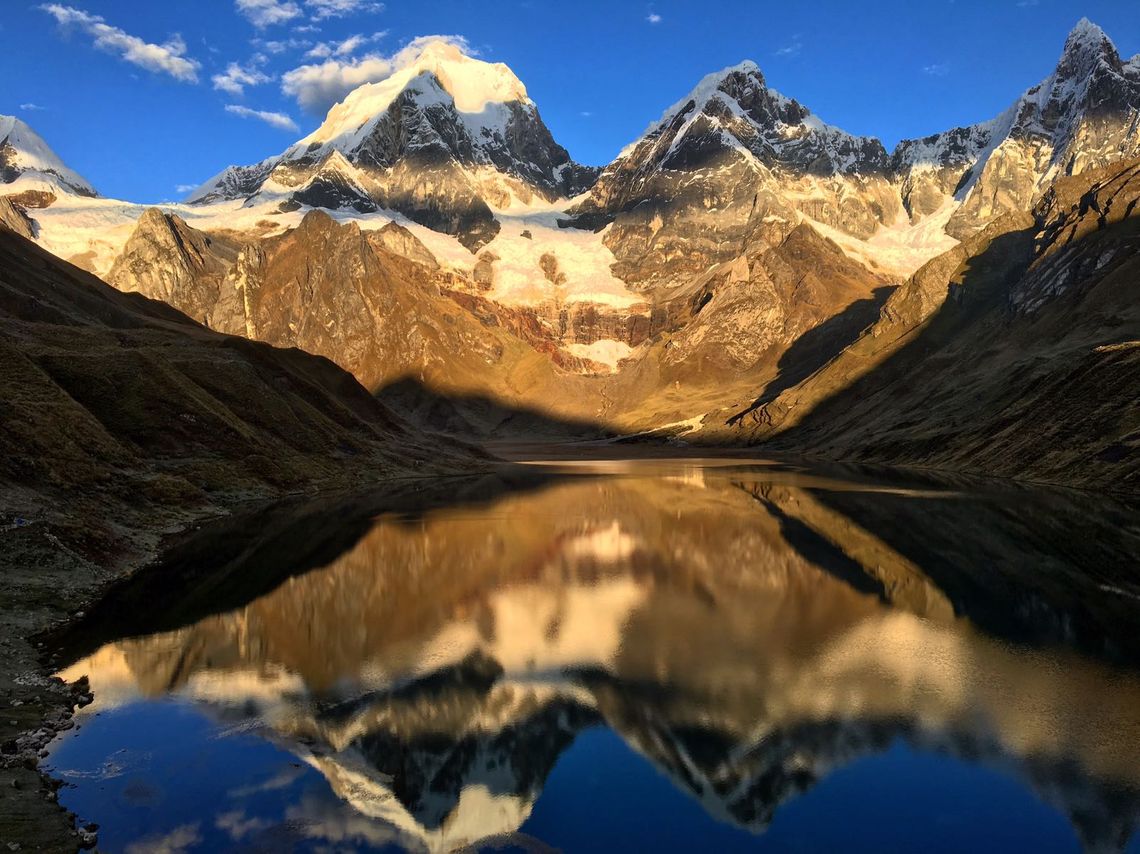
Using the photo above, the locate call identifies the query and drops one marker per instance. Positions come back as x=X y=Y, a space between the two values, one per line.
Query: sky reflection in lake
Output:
x=664 y=656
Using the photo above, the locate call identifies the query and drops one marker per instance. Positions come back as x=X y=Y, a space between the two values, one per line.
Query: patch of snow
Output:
x=606 y=351
x=582 y=258
x=901 y=248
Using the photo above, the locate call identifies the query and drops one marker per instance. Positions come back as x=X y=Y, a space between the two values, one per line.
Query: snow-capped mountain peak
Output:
x=736 y=105
x=443 y=140
x=1086 y=45
x=26 y=159
x=475 y=87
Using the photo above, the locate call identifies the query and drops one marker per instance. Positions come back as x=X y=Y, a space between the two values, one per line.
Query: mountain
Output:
x=30 y=170
x=732 y=251
x=123 y=417
x=1083 y=116
x=1018 y=353
x=733 y=162
x=338 y=291
x=442 y=141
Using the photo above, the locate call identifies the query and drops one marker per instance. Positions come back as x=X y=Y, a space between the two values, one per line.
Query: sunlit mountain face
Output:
x=687 y=653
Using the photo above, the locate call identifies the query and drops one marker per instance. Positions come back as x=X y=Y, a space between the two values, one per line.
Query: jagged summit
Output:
x=26 y=159
x=1083 y=115
x=734 y=163
x=737 y=105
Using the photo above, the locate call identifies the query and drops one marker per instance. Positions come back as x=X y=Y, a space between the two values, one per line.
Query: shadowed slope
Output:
x=1014 y=354
x=111 y=398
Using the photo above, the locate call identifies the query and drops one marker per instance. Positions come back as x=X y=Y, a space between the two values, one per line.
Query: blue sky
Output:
x=130 y=101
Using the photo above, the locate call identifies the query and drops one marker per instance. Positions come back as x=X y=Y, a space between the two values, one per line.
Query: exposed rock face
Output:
x=732 y=163
x=1016 y=353
x=340 y=292
x=440 y=141
x=765 y=300
x=166 y=259
x=14 y=218
x=399 y=241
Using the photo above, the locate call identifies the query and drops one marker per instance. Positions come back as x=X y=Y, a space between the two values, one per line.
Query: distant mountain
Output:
x=730 y=163
x=1085 y=115
x=441 y=141
x=27 y=163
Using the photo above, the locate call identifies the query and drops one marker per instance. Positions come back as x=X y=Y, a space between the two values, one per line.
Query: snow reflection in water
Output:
x=807 y=662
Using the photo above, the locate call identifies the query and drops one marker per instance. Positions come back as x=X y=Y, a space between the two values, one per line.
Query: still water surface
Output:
x=669 y=656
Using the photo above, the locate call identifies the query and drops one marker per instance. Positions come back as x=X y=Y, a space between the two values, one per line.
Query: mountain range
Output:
x=730 y=266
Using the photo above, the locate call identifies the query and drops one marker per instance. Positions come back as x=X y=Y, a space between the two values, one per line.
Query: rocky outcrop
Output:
x=167 y=260
x=15 y=218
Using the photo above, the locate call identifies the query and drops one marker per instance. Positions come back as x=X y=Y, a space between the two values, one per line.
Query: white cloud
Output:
x=317 y=87
x=585 y=114
x=277 y=120
x=276 y=46
x=167 y=58
x=183 y=189
x=793 y=47
x=349 y=46
x=322 y=9
x=32 y=108
x=653 y=18
x=265 y=13
x=236 y=77
x=937 y=69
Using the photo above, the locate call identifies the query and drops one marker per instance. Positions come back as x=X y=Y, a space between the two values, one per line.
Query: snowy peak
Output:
x=1090 y=80
x=26 y=159
x=444 y=140
x=475 y=88
x=1086 y=46
x=735 y=108
x=1083 y=115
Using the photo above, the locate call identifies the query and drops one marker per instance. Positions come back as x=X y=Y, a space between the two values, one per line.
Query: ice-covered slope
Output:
x=28 y=163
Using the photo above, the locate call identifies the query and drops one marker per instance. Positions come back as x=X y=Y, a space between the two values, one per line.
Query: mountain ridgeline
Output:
x=743 y=272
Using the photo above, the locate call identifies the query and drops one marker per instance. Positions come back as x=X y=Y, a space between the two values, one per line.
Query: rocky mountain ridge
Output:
x=735 y=249
x=1016 y=353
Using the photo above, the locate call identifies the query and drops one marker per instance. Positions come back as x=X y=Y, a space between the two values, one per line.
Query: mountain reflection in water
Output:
x=747 y=630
